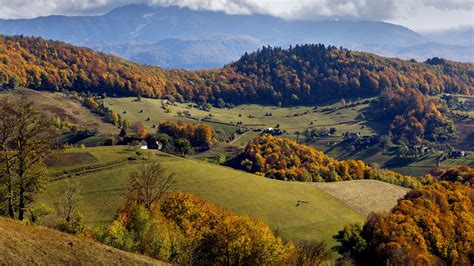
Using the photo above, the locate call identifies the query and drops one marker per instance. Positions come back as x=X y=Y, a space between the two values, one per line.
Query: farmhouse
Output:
x=273 y=131
x=143 y=145
x=457 y=154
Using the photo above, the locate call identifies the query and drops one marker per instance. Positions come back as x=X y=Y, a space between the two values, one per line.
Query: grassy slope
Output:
x=60 y=105
x=365 y=196
x=270 y=200
x=21 y=244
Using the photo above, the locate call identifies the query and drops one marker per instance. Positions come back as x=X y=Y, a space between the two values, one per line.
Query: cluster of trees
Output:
x=433 y=225
x=181 y=137
x=304 y=74
x=461 y=174
x=109 y=115
x=284 y=159
x=414 y=116
x=26 y=136
x=311 y=134
x=183 y=228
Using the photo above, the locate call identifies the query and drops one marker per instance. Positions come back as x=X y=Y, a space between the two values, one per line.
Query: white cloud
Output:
x=451 y=4
x=388 y=10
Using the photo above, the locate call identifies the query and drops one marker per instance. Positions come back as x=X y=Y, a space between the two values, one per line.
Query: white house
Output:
x=144 y=145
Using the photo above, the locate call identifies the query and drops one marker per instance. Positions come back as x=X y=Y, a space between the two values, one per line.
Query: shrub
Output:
x=74 y=226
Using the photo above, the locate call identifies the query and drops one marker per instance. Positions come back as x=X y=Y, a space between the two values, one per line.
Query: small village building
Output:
x=143 y=145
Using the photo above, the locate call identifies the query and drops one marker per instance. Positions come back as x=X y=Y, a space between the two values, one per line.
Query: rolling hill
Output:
x=276 y=202
x=23 y=244
x=59 y=105
x=312 y=73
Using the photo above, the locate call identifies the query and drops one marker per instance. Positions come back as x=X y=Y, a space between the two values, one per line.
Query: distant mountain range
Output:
x=184 y=38
x=461 y=36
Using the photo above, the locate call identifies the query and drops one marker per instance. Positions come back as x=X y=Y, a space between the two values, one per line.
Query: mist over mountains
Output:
x=183 y=38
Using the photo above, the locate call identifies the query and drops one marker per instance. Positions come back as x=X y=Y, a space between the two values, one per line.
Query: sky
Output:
x=420 y=15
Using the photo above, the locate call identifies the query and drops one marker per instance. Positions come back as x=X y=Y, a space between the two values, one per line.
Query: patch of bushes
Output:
x=185 y=229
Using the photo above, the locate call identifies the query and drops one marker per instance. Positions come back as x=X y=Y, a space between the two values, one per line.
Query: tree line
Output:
x=304 y=74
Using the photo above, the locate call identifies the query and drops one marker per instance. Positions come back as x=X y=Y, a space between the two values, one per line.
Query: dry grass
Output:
x=365 y=196
x=60 y=105
x=61 y=159
x=24 y=245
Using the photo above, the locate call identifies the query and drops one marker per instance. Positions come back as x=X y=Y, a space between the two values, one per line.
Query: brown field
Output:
x=365 y=196
x=465 y=132
x=60 y=105
x=62 y=159
x=25 y=245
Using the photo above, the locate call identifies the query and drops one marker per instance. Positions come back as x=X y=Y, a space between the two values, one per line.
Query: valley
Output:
x=311 y=155
x=292 y=120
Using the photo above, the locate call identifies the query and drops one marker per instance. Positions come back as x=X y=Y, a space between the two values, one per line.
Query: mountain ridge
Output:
x=146 y=25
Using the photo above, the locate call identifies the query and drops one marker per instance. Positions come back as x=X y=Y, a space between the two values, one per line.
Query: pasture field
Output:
x=365 y=196
x=224 y=121
x=24 y=245
x=291 y=119
x=276 y=202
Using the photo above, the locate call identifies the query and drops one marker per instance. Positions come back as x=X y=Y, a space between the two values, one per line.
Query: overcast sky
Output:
x=419 y=15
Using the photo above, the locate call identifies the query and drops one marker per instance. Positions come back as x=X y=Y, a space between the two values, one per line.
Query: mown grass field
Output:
x=274 y=201
x=365 y=196
x=34 y=245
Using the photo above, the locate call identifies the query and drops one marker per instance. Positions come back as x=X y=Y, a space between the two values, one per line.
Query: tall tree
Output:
x=27 y=137
x=7 y=125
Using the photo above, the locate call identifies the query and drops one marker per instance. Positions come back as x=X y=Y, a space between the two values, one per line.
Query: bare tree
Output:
x=148 y=185
x=67 y=206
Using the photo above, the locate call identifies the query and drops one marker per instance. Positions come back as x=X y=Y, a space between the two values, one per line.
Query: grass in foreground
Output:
x=21 y=245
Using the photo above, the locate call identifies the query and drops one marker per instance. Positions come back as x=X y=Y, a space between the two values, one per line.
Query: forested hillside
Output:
x=284 y=159
x=434 y=225
x=305 y=74
x=301 y=75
